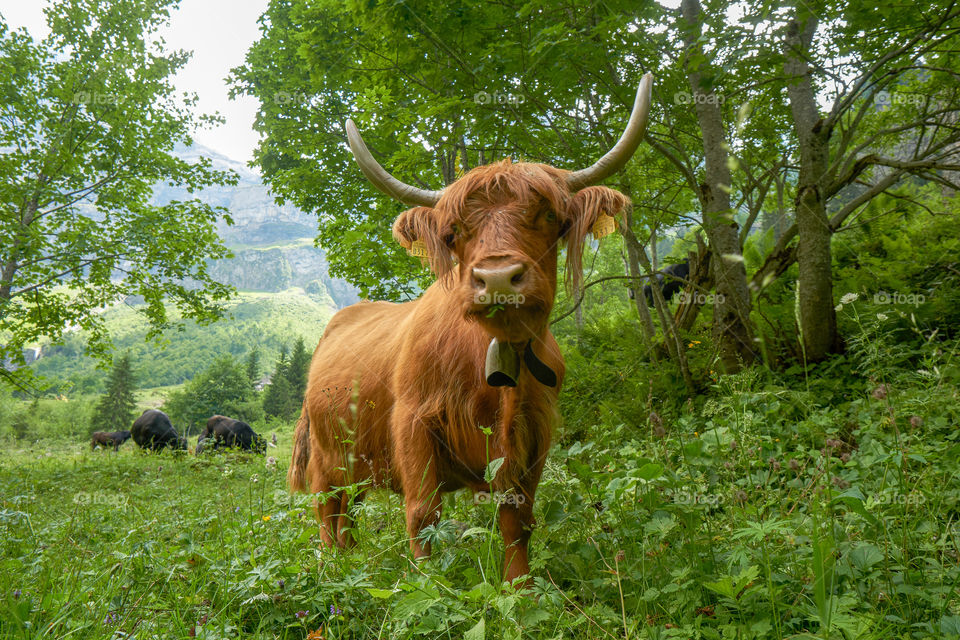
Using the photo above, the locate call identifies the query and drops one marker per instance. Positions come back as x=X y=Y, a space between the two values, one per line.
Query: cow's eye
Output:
x=551 y=216
x=451 y=237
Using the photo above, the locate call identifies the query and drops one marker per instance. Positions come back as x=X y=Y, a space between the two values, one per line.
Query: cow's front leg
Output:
x=516 y=525
x=416 y=462
x=422 y=511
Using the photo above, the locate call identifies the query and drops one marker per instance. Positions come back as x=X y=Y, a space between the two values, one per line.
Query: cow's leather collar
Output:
x=503 y=365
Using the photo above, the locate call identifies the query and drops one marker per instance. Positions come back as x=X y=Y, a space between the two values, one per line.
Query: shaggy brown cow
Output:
x=404 y=395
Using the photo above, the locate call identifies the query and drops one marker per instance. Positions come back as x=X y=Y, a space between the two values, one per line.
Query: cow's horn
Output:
x=616 y=158
x=381 y=179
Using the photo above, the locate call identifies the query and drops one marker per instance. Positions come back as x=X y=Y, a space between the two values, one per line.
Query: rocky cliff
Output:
x=272 y=244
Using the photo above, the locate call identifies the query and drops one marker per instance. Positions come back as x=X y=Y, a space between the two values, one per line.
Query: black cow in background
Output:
x=668 y=285
x=227 y=432
x=109 y=439
x=153 y=430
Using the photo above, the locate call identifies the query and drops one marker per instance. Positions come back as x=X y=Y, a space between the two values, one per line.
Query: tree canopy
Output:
x=784 y=115
x=89 y=122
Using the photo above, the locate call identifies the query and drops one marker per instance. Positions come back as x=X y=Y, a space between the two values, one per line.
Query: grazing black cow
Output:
x=227 y=432
x=153 y=430
x=112 y=439
x=668 y=285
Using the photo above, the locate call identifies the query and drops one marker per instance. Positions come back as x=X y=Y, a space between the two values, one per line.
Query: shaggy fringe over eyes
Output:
x=462 y=204
x=583 y=211
x=502 y=183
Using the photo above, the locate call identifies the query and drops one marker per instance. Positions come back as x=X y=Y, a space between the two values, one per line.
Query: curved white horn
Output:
x=617 y=157
x=382 y=179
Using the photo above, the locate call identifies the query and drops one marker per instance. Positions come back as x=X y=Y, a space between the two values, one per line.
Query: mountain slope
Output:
x=255 y=320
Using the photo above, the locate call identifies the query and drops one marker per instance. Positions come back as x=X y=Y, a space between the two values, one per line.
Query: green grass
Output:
x=759 y=512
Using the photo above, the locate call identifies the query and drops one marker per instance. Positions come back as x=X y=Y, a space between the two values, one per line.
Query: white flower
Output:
x=847 y=298
x=881 y=316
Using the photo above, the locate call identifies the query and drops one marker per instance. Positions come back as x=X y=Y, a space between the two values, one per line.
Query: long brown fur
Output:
x=396 y=392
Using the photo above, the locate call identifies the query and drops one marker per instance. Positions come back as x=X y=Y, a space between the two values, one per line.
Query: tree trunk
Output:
x=731 y=312
x=701 y=280
x=633 y=265
x=818 y=321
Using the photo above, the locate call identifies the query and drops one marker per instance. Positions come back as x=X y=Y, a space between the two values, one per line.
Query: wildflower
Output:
x=236 y=510
x=774 y=463
x=690 y=346
x=621 y=555
x=845 y=457
x=794 y=464
x=915 y=421
x=111 y=618
x=266 y=518
x=696 y=342
x=839 y=482
x=16 y=593
x=740 y=495
x=301 y=614
x=316 y=634
x=880 y=392
x=881 y=316
x=335 y=610
x=728 y=465
x=271 y=463
x=847 y=298
x=696 y=434
x=733 y=445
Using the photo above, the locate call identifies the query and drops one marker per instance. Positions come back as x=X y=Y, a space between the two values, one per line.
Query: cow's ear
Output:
x=422 y=224
x=583 y=210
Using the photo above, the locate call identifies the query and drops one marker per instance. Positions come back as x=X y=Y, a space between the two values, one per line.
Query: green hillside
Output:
x=256 y=319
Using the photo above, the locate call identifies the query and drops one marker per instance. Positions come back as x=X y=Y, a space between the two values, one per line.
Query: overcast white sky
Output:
x=219 y=32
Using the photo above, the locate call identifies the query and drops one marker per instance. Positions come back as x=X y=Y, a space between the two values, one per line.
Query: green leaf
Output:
x=649 y=471
x=853 y=498
x=492 y=468
x=477 y=631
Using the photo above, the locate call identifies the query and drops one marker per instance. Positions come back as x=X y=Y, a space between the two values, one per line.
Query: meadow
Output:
x=769 y=506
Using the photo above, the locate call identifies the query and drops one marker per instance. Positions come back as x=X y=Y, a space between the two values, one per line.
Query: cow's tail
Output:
x=297 y=473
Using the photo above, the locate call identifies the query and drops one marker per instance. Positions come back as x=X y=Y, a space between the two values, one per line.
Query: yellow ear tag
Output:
x=418 y=249
x=604 y=226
